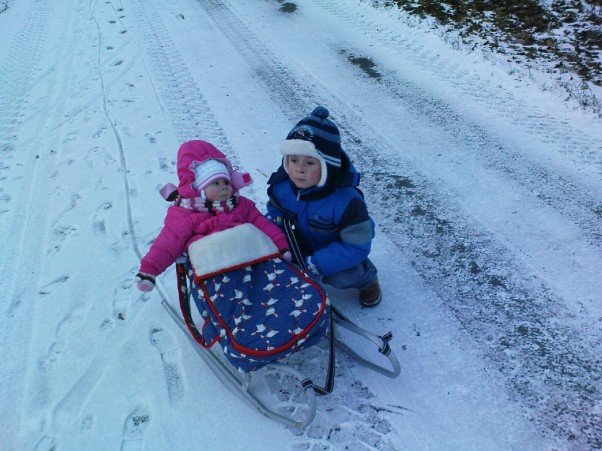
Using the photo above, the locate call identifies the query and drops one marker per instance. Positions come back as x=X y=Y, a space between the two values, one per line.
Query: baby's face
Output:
x=304 y=171
x=219 y=190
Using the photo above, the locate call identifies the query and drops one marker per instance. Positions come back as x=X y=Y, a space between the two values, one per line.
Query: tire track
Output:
x=582 y=147
x=553 y=189
x=31 y=174
x=16 y=79
x=176 y=89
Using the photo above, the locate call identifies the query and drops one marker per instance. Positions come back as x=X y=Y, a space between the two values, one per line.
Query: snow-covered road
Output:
x=485 y=189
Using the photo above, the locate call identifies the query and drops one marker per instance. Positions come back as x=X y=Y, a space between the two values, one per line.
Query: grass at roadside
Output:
x=564 y=35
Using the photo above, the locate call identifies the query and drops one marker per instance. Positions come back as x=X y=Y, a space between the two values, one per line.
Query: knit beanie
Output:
x=318 y=137
x=207 y=172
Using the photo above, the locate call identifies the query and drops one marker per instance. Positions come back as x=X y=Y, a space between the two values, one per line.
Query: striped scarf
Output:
x=201 y=205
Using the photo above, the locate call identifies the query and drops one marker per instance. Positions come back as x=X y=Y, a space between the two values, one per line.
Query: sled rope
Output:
x=184 y=298
x=289 y=230
x=329 y=384
x=382 y=341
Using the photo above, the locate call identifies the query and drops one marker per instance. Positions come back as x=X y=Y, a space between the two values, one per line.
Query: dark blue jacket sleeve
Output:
x=356 y=231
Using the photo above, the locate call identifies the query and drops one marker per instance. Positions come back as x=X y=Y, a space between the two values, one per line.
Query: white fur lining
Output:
x=229 y=249
x=301 y=147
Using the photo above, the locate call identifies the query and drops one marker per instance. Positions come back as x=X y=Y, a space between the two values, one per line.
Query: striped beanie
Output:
x=208 y=171
x=315 y=136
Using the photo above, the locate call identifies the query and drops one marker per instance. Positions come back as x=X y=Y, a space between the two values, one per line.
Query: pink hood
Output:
x=193 y=153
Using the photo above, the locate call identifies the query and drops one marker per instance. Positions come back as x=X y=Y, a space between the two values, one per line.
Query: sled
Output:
x=292 y=400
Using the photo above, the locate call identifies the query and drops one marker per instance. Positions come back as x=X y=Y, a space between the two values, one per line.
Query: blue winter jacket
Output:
x=333 y=220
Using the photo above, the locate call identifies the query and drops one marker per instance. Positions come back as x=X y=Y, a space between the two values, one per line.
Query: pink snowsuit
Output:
x=182 y=226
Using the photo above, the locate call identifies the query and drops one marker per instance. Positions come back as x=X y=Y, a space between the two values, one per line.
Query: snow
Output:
x=485 y=190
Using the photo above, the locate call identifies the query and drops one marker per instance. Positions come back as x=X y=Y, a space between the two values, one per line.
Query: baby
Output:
x=206 y=201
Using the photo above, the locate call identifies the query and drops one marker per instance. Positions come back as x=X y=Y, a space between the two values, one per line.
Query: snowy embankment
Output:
x=486 y=193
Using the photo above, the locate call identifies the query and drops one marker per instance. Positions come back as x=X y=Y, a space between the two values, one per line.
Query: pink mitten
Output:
x=144 y=282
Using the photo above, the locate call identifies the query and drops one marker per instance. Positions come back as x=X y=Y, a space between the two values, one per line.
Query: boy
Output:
x=315 y=192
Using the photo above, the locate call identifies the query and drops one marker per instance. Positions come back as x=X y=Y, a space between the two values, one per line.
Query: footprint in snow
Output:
x=66 y=326
x=121 y=300
x=61 y=234
x=87 y=423
x=45 y=289
x=134 y=428
x=71 y=137
x=165 y=344
x=99 y=155
x=99 y=220
x=46 y=443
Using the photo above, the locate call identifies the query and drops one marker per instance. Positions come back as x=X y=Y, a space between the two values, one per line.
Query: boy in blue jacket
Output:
x=314 y=193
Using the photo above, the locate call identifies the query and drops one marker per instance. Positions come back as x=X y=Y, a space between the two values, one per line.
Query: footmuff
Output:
x=258 y=307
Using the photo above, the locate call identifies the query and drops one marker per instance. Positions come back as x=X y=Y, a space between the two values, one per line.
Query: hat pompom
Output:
x=169 y=192
x=320 y=112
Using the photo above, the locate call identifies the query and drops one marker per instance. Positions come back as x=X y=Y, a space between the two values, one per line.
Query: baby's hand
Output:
x=144 y=282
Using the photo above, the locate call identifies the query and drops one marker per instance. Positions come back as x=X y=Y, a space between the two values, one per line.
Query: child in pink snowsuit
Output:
x=207 y=202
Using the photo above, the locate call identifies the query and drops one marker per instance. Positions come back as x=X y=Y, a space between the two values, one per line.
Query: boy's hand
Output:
x=286 y=255
x=276 y=220
x=311 y=267
x=144 y=282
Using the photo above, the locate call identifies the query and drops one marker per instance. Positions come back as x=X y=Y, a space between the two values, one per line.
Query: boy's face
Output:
x=219 y=190
x=304 y=171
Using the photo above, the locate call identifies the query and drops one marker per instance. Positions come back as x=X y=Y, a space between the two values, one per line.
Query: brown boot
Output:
x=371 y=296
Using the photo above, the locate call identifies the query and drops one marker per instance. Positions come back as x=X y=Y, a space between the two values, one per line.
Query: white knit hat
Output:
x=207 y=172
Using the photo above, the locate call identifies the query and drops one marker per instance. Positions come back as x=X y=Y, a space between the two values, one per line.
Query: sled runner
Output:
x=256 y=309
